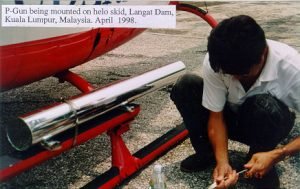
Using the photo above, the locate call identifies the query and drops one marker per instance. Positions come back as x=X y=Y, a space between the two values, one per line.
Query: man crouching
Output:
x=249 y=85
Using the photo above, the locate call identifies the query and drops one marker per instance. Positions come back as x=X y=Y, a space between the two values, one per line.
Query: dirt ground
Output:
x=152 y=49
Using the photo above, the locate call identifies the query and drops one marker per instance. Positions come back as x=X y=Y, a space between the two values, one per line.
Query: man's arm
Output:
x=217 y=133
x=291 y=148
x=262 y=162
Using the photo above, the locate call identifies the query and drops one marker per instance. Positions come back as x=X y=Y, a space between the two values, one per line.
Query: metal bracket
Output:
x=51 y=145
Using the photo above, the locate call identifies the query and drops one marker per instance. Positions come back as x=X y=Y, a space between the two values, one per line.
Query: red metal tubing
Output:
x=77 y=81
x=197 y=11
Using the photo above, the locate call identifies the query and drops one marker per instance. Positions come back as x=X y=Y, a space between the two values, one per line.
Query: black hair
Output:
x=235 y=45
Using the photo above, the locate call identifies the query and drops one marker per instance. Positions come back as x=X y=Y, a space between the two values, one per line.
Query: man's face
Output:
x=254 y=70
x=253 y=73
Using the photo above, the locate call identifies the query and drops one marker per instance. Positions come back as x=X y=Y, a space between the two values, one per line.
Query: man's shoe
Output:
x=196 y=162
x=269 y=181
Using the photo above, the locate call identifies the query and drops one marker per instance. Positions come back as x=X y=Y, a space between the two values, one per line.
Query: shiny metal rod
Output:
x=31 y=129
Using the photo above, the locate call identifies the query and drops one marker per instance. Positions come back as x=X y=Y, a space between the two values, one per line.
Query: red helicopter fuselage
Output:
x=26 y=62
x=29 y=54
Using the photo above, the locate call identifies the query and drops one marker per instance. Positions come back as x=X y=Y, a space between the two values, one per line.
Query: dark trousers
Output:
x=261 y=122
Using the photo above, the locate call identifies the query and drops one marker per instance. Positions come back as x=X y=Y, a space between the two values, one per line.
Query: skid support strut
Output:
x=125 y=164
x=77 y=81
x=121 y=156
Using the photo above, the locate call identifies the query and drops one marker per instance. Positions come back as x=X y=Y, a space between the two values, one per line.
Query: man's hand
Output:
x=217 y=133
x=224 y=176
x=261 y=163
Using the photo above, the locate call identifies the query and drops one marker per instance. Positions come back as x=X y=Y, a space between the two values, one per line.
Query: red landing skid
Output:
x=115 y=122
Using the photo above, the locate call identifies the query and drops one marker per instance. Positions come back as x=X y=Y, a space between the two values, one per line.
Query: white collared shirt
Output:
x=280 y=77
